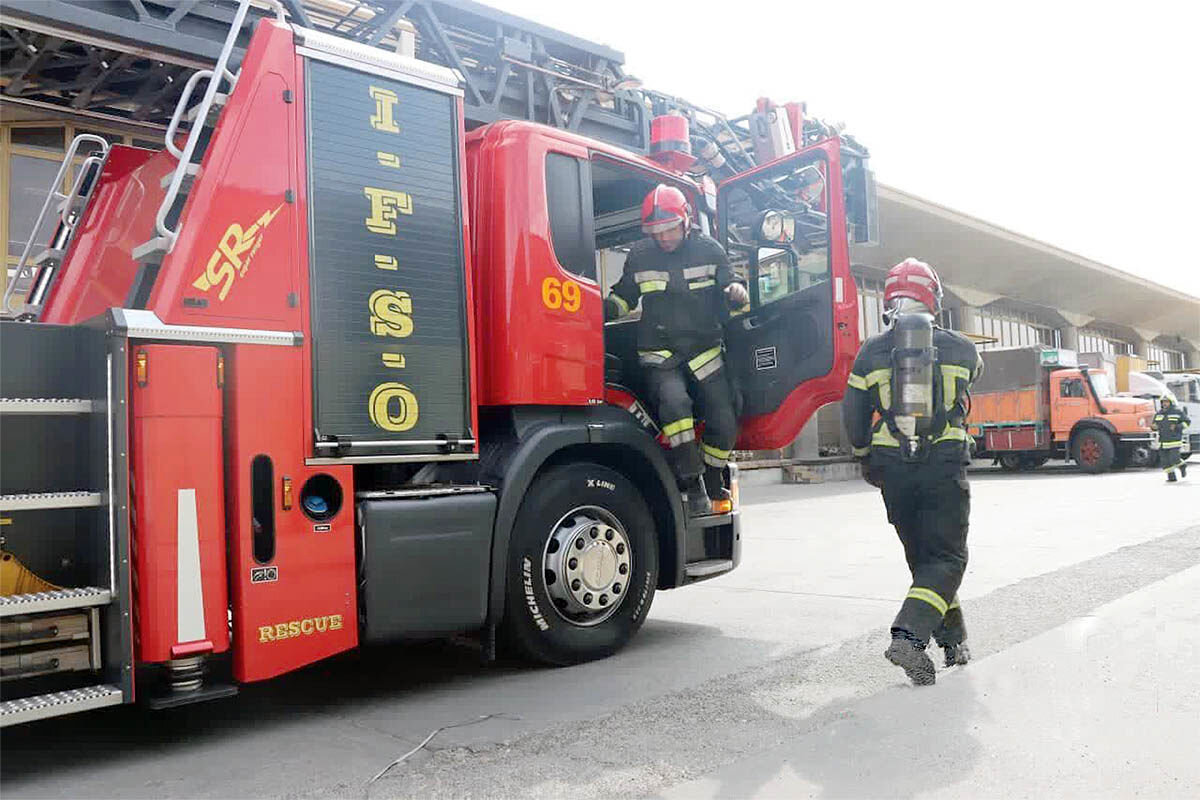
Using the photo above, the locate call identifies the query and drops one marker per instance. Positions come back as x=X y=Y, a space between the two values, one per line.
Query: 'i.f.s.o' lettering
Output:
x=393 y=407
x=384 y=118
x=386 y=205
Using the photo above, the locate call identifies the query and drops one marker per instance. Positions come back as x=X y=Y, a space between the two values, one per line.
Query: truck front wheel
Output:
x=1094 y=451
x=582 y=566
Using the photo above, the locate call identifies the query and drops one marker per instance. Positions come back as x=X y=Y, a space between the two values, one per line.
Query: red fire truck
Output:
x=330 y=370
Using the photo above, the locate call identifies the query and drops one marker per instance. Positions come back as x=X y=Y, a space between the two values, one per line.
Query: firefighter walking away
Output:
x=686 y=289
x=905 y=410
x=1171 y=421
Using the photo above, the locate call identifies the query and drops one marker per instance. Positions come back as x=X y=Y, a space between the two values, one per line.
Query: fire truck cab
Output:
x=329 y=370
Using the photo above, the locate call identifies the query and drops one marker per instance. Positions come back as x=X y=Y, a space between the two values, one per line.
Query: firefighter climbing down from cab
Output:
x=904 y=410
x=1171 y=421
x=686 y=289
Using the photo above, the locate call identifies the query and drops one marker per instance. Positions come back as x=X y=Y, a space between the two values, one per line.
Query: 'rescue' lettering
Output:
x=299 y=627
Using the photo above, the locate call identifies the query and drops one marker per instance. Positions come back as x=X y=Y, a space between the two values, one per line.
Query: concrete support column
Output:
x=807 y=444
x=968 y=319
x=1141 y=347
x=1191 y=356
x=1069 y=335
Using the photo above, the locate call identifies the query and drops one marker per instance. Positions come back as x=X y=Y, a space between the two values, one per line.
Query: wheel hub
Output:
x=587 y=565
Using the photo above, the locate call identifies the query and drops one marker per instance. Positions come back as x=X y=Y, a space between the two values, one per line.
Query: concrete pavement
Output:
x=1107 y=705
x=721 y=672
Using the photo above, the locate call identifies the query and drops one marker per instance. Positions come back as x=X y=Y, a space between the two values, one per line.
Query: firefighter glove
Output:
x=737 y=294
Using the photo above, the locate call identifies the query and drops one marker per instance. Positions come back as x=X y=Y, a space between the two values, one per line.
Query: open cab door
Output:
x=786 y=230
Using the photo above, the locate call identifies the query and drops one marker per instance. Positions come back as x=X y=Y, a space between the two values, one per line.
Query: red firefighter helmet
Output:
x=916 y=280
x=664 y=207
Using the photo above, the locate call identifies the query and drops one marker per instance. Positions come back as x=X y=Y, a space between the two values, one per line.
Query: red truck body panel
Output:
x=179 y=575
x=99 y=268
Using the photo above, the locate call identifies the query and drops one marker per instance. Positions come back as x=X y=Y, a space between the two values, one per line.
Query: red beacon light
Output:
x=670 y=144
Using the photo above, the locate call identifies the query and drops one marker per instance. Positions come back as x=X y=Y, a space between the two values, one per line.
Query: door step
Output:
x=713 y=566
x=48 y=500
x=54 y=704
x=58 y=600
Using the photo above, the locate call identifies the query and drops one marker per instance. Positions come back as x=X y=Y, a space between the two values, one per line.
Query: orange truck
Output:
x=1034 y=404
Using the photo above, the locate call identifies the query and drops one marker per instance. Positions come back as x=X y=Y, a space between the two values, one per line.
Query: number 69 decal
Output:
x=561 y=294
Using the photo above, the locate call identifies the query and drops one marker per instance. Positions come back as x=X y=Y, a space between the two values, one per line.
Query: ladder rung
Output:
x=49 y=254
x=190 y=172
x=77 y=204
x=42 y=706
x=45 y=405
x=148 y=250
x=47 y=500
x=57 y=600
x=214 y=111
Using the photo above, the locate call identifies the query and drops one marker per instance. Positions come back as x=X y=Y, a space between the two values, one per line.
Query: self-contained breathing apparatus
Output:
x=917 y=412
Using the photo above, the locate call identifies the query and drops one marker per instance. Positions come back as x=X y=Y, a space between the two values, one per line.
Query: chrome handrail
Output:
x=24 y=268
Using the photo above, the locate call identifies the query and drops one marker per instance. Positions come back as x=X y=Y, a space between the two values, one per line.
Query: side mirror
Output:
x=862 y=205
x=775 y=227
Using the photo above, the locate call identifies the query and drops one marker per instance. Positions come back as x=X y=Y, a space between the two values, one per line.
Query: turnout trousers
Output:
x=1169 y=458
x=929 y=504
x=672 y=389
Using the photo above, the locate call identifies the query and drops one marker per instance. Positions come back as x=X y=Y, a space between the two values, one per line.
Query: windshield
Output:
x=1186 y=390
x=1101 y=383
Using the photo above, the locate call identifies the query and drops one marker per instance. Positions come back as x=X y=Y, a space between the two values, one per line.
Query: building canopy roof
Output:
x=982 y=262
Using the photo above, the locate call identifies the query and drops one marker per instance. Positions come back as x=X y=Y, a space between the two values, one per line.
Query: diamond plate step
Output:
x=45 y=500
x=55 y=704
x=45 y=405
x=57 y=600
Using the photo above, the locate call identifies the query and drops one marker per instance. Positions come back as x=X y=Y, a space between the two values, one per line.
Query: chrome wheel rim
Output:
x=587 y=563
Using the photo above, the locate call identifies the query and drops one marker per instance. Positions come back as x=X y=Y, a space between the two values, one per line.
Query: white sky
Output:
x=1074 y=123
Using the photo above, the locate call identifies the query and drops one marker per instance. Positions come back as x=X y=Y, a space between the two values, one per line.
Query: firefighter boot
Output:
x=957 y=654
x=698 y=504
x=1171 y=477
x=910 y=656
x=1183 y=470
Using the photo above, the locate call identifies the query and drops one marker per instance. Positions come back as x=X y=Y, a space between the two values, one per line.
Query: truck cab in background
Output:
x=1034 y=404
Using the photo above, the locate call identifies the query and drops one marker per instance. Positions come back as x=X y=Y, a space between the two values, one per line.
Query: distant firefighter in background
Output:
x=1171 y=421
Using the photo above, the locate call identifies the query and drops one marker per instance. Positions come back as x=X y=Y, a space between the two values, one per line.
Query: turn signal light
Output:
x=140 y=368
x=287 y=493
x=723 y=506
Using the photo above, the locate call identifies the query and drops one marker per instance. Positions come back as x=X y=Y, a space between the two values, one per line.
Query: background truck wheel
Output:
x=1010 y=462
x=1094 y=451
x=1142 y=456
x=582 y=566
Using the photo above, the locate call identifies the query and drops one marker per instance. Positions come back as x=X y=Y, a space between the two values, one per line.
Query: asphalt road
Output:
x=1082 y=600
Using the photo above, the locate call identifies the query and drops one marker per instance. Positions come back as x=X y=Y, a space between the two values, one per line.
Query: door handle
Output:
x=751 y=323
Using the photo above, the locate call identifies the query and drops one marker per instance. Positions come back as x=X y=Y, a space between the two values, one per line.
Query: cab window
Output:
x=570 y=214
x=1072 y=387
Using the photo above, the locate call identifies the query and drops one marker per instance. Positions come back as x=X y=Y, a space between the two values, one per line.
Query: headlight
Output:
x=1143 y=422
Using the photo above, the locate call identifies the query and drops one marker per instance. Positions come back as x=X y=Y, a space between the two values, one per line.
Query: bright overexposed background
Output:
x=1074 y=123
